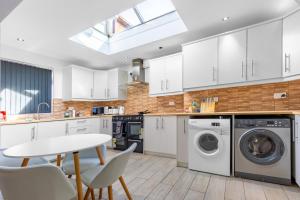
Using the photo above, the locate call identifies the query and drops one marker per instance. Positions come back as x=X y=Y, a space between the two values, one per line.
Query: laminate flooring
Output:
x=157 y=178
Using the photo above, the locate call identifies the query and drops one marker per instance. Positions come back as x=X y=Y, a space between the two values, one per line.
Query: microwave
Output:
x=98 y=110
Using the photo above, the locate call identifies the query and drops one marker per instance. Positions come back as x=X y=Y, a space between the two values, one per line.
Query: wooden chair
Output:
x=105 y=175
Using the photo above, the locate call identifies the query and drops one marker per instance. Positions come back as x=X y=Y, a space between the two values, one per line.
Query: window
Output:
x=140 y=14
x=146 y=22
x=23 y=87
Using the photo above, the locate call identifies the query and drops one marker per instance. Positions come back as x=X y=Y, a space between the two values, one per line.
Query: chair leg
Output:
x=100 y=193
x=87 y=194
x=92 y=194
x=110 y=193
x=121 y=179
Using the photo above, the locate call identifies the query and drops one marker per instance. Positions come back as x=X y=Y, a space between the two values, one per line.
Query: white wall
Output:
x=18 y=55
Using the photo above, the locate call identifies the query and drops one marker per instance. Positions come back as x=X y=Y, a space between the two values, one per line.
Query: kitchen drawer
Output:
x=79 y=130
x=78 y=123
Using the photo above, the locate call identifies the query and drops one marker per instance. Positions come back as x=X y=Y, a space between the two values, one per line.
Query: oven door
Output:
x=134 y=130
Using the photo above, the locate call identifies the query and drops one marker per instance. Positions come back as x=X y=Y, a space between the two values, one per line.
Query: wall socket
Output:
x=171 y=103
x=280 y=95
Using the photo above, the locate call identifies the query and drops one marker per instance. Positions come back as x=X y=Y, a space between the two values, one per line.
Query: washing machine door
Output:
x=208 y=143
x=261 y=146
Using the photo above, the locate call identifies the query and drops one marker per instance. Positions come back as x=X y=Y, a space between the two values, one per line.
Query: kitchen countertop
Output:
x=285 y=112
x=26 y=121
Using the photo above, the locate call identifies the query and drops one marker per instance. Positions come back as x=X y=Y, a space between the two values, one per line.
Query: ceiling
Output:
x=6 y=6
x=46 y=26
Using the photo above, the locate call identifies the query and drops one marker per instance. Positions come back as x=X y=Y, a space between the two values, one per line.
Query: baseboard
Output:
x=159 y=154
x=182 y=164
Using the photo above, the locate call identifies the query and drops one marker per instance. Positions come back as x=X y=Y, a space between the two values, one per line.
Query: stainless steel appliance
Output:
x=128 y=129
x=98 y=110
x=263 y=149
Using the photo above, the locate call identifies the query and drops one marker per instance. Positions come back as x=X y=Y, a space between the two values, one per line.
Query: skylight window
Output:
x=148 y=21
x=140 y=14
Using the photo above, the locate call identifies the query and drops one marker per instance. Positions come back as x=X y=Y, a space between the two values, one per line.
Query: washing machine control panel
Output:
x=272 y=123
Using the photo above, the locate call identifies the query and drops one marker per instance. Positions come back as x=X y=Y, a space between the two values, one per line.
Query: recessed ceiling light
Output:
x=20 y=39
x=160 y=48
x=225 y=19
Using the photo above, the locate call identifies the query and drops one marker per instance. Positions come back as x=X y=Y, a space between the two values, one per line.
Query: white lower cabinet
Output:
x=106 y=128
x=51 y=129
x=182 y=141
x=160 y=134
x=11 y=135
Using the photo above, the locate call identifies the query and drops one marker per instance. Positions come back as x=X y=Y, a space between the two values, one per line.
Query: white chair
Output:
x=88 y=159
x=105 y=175
x=16 y=162
x=40 y=182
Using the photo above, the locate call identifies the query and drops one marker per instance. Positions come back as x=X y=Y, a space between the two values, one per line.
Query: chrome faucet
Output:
x=38 y=109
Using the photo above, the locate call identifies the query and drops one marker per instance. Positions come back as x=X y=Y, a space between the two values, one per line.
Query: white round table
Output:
x=58 y=146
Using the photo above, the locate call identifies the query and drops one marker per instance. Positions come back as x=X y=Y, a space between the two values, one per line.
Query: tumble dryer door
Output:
x=208 y=143
x=261 y=146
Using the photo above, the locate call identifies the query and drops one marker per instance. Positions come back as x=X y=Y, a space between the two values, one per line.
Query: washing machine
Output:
x=263 y=149
x=209 y=145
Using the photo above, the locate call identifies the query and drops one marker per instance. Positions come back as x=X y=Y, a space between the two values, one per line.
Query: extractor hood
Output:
x=137 y=72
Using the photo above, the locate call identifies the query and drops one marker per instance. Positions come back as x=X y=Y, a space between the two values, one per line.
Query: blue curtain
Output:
x=23 y=87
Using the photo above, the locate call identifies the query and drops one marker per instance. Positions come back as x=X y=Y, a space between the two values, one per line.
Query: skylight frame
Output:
x=138 y=15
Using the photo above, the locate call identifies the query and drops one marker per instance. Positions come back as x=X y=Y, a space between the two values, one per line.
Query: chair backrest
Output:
x=113 y=169
x=45 y=182
x=87 y=153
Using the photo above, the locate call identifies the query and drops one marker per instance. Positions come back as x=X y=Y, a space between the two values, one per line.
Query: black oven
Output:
x=127 y=130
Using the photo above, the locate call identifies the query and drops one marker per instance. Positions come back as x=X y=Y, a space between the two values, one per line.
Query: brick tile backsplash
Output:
x=242 y=98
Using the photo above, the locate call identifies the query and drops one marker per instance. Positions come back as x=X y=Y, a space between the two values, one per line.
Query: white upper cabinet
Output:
x=156 y=77
x=200 y=64
x=264 y=51
x=291 y=45
x=77 y=83
x=165 y=75
x=173 y=73
x=100 y=85
x=232 y=57
x=82 y=83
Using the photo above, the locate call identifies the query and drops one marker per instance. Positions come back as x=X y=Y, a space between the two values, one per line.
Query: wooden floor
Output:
x=157 y=178
x=151 y=177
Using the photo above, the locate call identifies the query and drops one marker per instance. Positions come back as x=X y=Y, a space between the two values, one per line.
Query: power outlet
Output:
x=171 y=103
x=280 y=95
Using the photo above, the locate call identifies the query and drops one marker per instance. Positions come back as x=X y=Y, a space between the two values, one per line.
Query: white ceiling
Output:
x=46 y=25
x=6 y=6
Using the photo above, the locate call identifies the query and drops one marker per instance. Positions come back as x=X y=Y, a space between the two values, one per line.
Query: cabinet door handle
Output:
x=252 y=67
x=92 y=92
x=81 y=129
x=287 y=65
x=213 y=71
x=67 y=129
x=161 y=85
x=106 y=123
x=108 y=93
x=167 y=84
x=242 y=69
x=162 y=123
x=296 y=132
x=103 y=123
x=157 y=123
x=32 y=133
x=184 y=126
x=105 y=95
x=81 y=121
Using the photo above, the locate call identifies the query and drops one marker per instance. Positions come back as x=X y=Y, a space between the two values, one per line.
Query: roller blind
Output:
x=23 y=87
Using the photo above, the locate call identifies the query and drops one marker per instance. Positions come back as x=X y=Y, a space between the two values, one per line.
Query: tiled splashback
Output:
x=243 y=98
